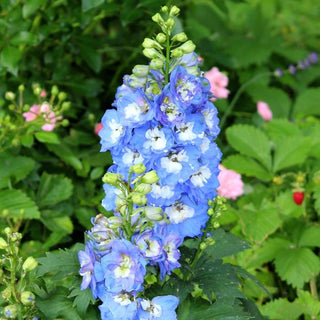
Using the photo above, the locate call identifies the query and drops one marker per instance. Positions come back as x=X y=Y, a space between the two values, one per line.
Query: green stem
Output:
x=238 y=94
x=313 y=288
x=167 y=67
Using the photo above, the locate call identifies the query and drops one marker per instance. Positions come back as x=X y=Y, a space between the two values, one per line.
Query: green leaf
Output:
x=90 y=4
x=290 y=151
x=259 y=223
x=14 y=168
x=24 y=37
x=30 y=7
x=310 y=237
x=82 y=300
x=247 y=166
x=53 y=239
x=251 y=142
x=65 y=154
x=282 y=309
x=287 y=207
x=47 y=137
x=310 y=305
x=97 y=173
x=313 y=132
x=53 y=189
x=91 y=56
x=62 y=225
x=27 y=140
x=18 y=204
x=64 y=263
x=9 y=58
x=280 y=128
x=297 y=265
x=307 y=103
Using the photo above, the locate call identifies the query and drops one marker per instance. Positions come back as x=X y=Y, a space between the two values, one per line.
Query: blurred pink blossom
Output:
x=43 y=94
x=45 y=112
x=218 y=82
x=98 y=127
x=264 y=110
x=231 y=185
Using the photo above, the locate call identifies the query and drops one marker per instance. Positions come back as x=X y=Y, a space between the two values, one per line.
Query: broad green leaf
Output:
x=9 y=58
x=279 y=128
x=84 y=216
x=24 y=37
x=287 y=207
x=53 y=239
x=307 y=103
x=97 y=173
x=29 y=7
x=82 y=299
x=27 y=140
x=91 y=56
x=313 y=132
x=53 y=189
x=297 y=265
x=247 y=166
x=47 y=137
x=90 y=4
x=16 y=204
x=311 y=306
x=251 y=142
x=310 y=237
x=282 y=309
x=14 y=169
x=66 y=154
x=259 y=223
x=62 y=225
x=290 y=151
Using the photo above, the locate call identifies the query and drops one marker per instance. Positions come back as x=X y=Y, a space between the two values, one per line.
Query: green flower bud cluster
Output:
x=16 y=278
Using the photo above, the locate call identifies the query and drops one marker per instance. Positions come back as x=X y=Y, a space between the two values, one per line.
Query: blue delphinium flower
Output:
x=159 y=308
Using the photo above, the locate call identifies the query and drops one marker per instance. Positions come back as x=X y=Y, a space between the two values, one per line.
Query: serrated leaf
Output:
x=307 y=103
x=47 y=137
x=247 y=166
x=287 y=207
x=297 y=265
x=30 y=7
x=63 y=224
x=282 y=309
x=310 y=237
x=278 y=128
x=314 y=133
x=9 y=58
x=53 y=189
x=64 y=263
x=16 y=168
x=310 y=305
x=18 y=204
x=90 y=4
x=82 y=299
x=259 y=223
x=251 y=142
x=226 y=244
x=290 y=151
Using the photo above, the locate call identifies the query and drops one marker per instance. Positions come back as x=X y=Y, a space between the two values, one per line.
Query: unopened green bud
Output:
x=11 y=311
x=3 y=243
x=152 y=53
x=216 y=225
x=65 y=105
x=138 y=198
x=138 y=168
x=143 y=188
x=5 y=212
x=16 y=236
x=111 y=178
x=181 y=37
x=156 y=64
x=7 y=230
x=62 y=96
x=187 y=47
x=11 y=107
x=21 y=88
x=149 y=43
x=37 y=91
x=29 y=264
x=54 y=90
x=91 y=117
x=153 y=213
x=161 y=37
x=65 y=122
x=10 y=95
x=170 y=23
x=157 y=18
x=203 y=245
x=150 y=177
x=26 y=107
x=15 y=142
x=177 y=53
x=174 y=11
x=115 y=222
x=141 y=70
x=164 y=9
x=27 y=298
x=6 y=293
x=210 y=212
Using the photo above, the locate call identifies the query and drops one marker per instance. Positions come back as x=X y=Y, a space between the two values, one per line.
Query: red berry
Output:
x=298 y=197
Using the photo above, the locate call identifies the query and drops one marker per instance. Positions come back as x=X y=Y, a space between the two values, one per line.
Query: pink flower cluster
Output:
x=218 y=82
x=45 y=112
x=264 y=111
x=231 y=185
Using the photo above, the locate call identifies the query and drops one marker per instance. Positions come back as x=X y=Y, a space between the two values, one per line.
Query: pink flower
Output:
x=43 y=94
x=264 y=110
x=231 y=185
x=98 y=127
x=218 y=82
x=32 y=114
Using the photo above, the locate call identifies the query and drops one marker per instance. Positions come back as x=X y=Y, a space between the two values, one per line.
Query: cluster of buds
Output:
x=15 y=279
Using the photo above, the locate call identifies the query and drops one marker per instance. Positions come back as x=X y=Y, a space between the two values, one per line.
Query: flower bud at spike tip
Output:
x=21 y=88
x=62 y=96
x=110 y=178
x=7 y=230
x=153 y=213
x=176 y=53
x=10 y=95
x=170 y=23
x=181 y=37
x=152 y=53
x=11 y=311
x=187 y=47
x=157 y=18
x=138 y=168
x=150 y=177
x=143 y=188
x=174 y=11
x=161 y=37
x=138 y=198
x=27 y=298
x=149 y=43
x=164 y=9
x=30 y=264
x=156 y=64
x=54 y=90
x=141 y=70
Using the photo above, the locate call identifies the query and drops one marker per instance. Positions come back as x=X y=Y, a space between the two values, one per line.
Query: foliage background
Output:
x=86 y=47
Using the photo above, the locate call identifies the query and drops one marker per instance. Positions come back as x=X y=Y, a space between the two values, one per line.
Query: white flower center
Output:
x=131 y=157
x=156 y=139
x=158 y=191
x=199 y=179
x=123 y=270
x=116 y=130
x=123 y=299
x=185 y=132
x=179 y=212
x=132 y=111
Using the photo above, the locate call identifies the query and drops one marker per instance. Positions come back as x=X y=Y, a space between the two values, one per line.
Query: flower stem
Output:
x=313 y=288
x=167 y=67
